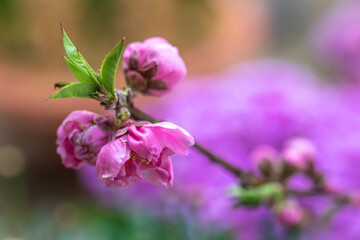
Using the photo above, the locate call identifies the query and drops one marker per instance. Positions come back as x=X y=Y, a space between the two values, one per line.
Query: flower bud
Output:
x=331 y=188
x=299 y=152
x=263 y=153
x=153 y=67
x=354 y=198
x=291 y=214
x=79 y=139
x=265 y=157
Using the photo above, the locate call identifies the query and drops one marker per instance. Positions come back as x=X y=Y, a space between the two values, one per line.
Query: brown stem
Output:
x=235 y=170
x=301 y=193
x=247 y=178
x=137 y=114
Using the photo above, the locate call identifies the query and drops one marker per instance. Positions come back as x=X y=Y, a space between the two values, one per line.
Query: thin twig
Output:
x=137 y=114
x=235 y=170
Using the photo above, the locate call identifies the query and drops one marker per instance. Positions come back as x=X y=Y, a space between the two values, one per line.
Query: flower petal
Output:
x=112 y=158
x=130 y=174
x=161 y=175
x=145 y=142
x=179 y=136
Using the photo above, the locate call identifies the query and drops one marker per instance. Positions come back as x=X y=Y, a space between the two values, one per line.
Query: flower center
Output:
x=135 y=157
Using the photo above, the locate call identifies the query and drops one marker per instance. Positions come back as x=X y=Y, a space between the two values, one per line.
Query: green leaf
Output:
x=77 y=59
x=80 y=74
x=90 y=70
x=61 y=84
x=75 y=90
x=255 y=195
x=109 y=67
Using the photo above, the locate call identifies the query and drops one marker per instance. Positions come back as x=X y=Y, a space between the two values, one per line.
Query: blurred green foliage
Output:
x=79 y=221
x=85 y=221
x=14 y=39
x=76 y=217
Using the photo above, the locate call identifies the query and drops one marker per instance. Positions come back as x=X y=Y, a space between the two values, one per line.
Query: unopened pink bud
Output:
x=158 y=63
x=266 y=159
x=330 y=188
x=299 y=152
x=291 y=214
x=263 y=153
x=354 y=198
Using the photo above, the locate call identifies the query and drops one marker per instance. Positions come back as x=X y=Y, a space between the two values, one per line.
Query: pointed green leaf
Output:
x=61 y=84
x=76 y=57
x=89 y=70
x=75 y=90
x=109 y=67
x=81 y=74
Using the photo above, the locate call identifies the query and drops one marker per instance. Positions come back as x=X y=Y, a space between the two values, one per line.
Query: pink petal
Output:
x=129 y=174
x=161 y=175
x=145 y=142
x=95 y=137
x=182 y=138
x=80 y=117
x=111 y=159
x=66 y=151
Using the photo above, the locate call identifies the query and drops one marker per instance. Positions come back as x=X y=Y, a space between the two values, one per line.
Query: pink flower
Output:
x=79 y=139
x=154 y=66
x=142 y=150
x=299 y=152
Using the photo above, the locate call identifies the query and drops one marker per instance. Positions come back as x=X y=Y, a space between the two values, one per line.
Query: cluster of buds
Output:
x=273 y=187
x=124 y=150
x=297 y=156
x=276 y=168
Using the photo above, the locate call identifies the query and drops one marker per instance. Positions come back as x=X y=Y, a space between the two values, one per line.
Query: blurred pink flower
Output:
x=291 y=214
x=263 y=153
x=153 y=66
x=79 y=140
x=142 y=150
x=299 y=152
